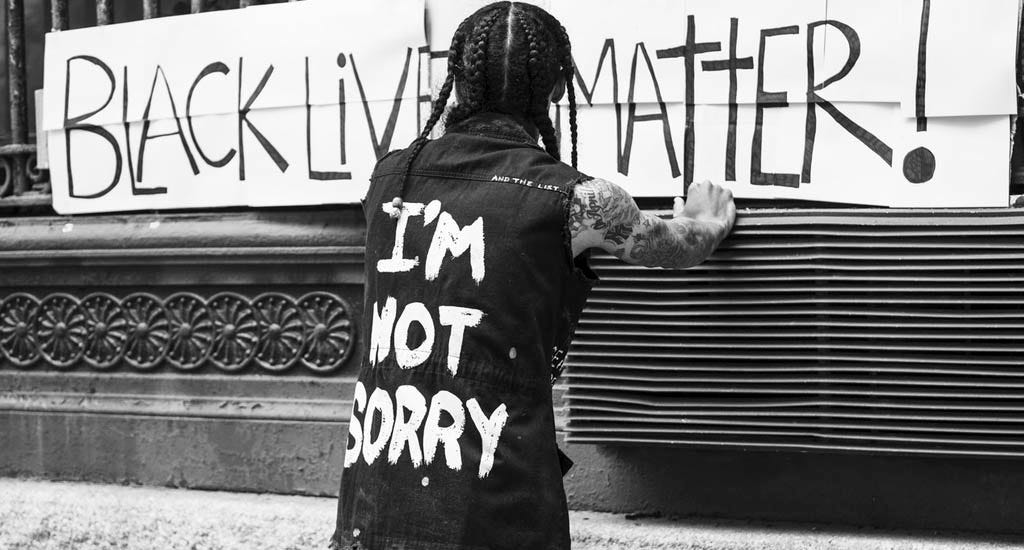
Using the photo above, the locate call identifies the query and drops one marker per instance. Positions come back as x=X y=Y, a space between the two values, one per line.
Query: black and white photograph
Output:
x=538 y=275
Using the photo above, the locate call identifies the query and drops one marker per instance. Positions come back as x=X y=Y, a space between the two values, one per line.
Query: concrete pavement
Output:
x=81 y=516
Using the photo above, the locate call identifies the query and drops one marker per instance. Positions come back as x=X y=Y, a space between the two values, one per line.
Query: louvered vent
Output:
x=849 y=330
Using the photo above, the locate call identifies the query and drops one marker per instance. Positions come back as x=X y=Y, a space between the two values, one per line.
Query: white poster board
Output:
x=798 y=99
x=283 y=104
x=875 y=102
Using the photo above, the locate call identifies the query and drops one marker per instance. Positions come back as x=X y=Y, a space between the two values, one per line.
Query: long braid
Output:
x=540 y=79
x=569 y=73
x=454 y=69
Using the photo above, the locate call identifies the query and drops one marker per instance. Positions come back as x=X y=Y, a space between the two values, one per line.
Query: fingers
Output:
x=677 y=206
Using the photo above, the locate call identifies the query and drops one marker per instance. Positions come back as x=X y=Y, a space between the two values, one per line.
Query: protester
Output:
x=476 y=274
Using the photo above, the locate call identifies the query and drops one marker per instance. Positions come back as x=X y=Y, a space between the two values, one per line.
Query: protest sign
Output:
x=872 y=102
x=865 y=102
x=273 y=105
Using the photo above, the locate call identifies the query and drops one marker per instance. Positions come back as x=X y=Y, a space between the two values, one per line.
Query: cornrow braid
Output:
x=473 y=93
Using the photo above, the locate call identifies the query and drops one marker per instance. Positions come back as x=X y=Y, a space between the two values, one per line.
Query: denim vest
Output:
x=472 y=295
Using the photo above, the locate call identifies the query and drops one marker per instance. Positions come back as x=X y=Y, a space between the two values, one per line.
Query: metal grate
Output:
x=891 y=331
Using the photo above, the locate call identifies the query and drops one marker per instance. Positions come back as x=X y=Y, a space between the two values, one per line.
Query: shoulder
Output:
x=389 y=162
x=601 y=210
x=595 y=193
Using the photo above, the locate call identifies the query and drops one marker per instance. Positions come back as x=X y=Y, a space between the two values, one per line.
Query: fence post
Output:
x=16 y=91
x=59 y=15
x=104 y=12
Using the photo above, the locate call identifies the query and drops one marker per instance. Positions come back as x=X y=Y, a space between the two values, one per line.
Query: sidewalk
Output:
x=81 y=516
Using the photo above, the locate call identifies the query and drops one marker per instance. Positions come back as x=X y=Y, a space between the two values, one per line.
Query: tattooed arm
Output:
x=605 y=216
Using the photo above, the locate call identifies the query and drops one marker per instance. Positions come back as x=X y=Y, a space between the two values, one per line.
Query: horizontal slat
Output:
x=724 y=299
x=902 y=266
x=681 y=394
x=1012 y=291
x=940 y=427
x=822 y=312
x=626 y=326
x=746 y=277
x=817 y=403
x=624 y=356
x=594 y=412
x=869 y=255
x=682 y=383
x=578 y=368
x=676 y=440
x=813 y=434
x=880 y=245
x=972 y=333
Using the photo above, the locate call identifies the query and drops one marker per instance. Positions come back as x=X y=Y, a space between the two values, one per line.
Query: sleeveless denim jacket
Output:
x=472 y=296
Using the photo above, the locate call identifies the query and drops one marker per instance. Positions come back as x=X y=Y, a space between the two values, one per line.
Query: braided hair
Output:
x=505 y=58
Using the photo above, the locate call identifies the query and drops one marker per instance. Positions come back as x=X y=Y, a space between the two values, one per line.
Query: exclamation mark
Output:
x=919 y=164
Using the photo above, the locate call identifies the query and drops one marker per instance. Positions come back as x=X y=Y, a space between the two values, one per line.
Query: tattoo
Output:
x=603 y=215
x=619 y=233
x=661 y=243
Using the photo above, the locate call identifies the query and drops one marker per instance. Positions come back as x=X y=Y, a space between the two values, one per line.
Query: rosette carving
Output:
x=329 y=331
x=235 y=331
x=281 y=329
x=148 y=331
x=61 y=330
x=192 y=331
x=107 y=328
x=17 y=337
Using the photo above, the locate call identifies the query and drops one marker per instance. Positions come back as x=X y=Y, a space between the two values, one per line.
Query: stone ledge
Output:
x=250 y=397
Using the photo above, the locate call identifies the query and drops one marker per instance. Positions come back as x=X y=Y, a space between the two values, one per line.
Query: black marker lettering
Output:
x=919 y=164
x=767 y=100
x=588 y=94
x=316 y=174
x=382 y=146
x=342 y=107
x=633 y=118
x=127 y=127
x=216 y=67
x=733 y=64
x=689 y=53
x=243 y=116
x=75 y=124
x=421 y=97
x=146 y=137
x=814 y=100
x=922 y=66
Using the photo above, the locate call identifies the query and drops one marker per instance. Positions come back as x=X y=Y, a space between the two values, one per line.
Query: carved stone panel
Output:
x=272 y=332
